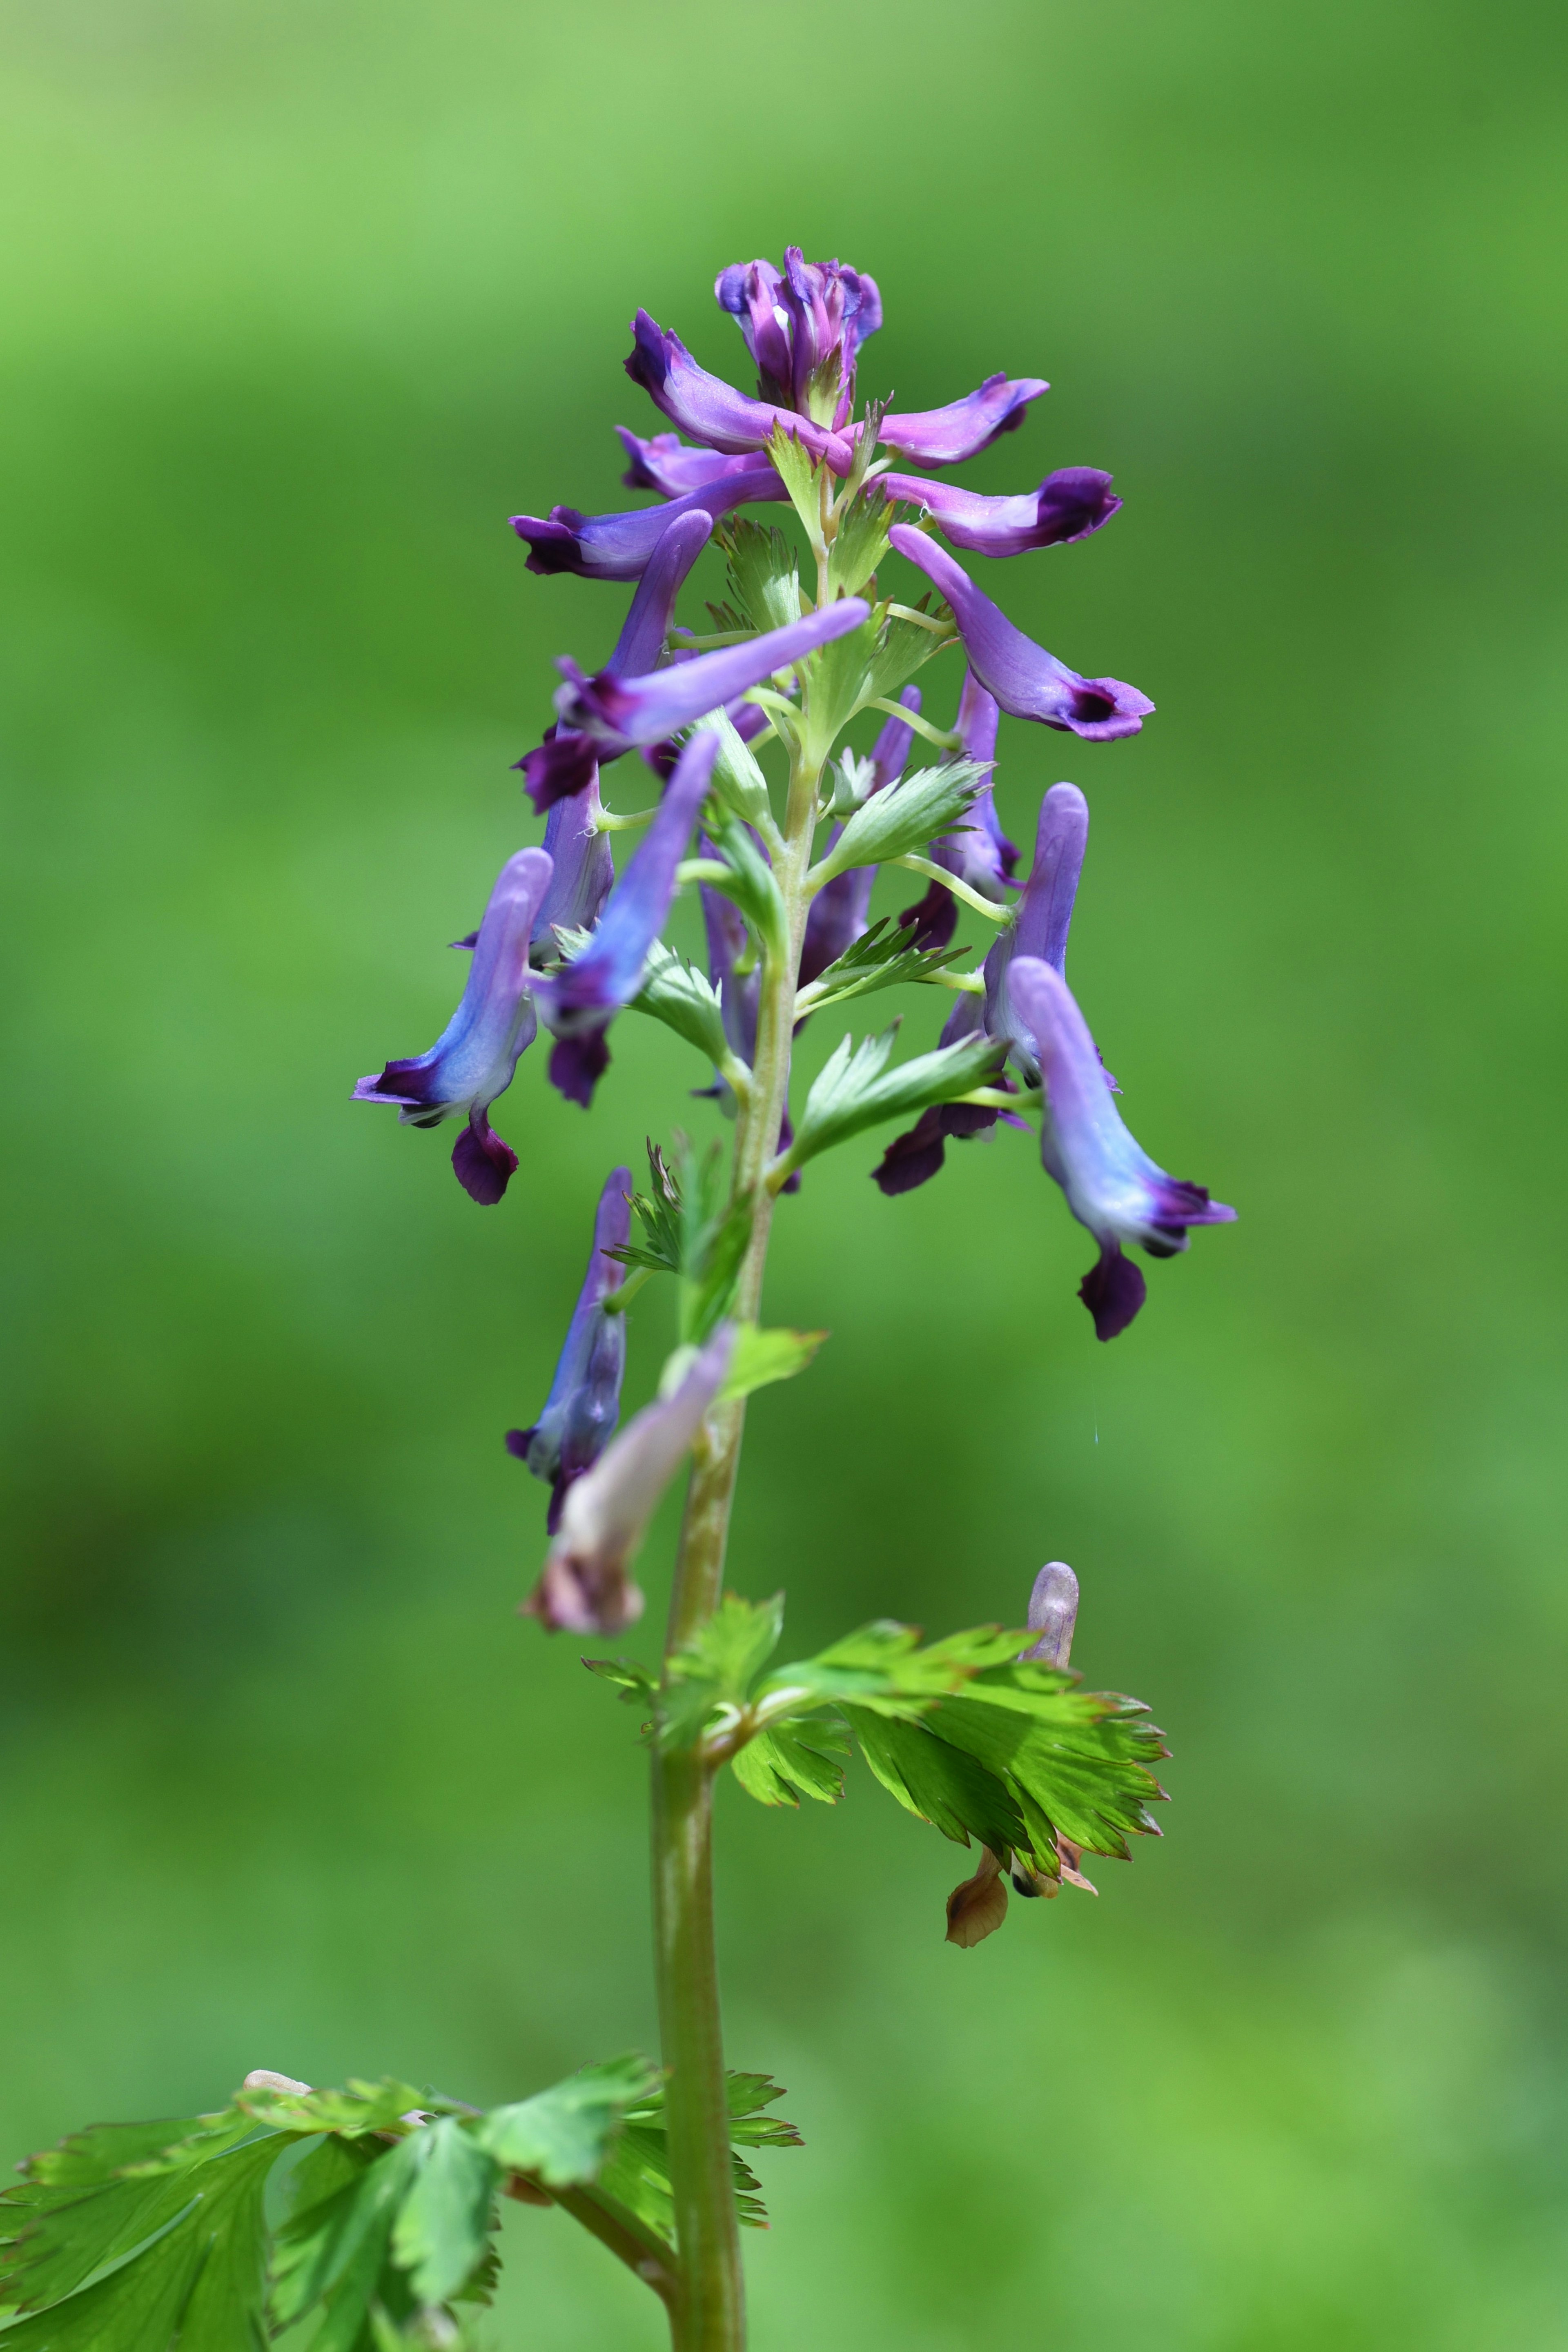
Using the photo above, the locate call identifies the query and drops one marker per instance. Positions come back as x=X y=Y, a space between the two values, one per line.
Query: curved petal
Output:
x=707 y=409
x=585 y=1400
x=645 y=709
x=1028 y=681
x=1068 y=505
x=620 y=546
x=945 y=437
x=664 y=464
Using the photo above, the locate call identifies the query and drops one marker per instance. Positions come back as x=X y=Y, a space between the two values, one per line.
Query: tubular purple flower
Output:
x=915 y=1157
x=824 y=302
x=1112 y=1186
x=584 y=869
x=620 y=546
x=1044 y=915
x=1067 y=505
x=1053 y=1614
x=584 y=1588
x=473 y=1059
x=706 y=409
x=840 y=908
x=664 y=464
x=945 y=437
x=645 y=709
x=585 y=1400
x=562 y=765
x=750 y=291
x=979 y=854
x=1028 y=681
x=581 y=1000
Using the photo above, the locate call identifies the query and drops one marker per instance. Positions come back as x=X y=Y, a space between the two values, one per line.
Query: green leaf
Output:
x=336 y=2252
x=941 y=1785
x=629 y=1678
x=855 y=1089
x=902 y=647
x=880 y=958
x=791 y=1760
x=760 y=1357
x=681 y=997
x=765 y=574
x=564 y=2136
x=861 y=541
x=691 y=1231
x=443 y=2227
x=360 y=2109
x=833 y=688
x=793 y=467
x=718 y=1667
x=737 y=778
x=751 y=885
x=638 y=2173
x=907 y=816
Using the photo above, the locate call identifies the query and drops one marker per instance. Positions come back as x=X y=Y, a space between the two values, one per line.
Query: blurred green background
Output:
x=301 y=301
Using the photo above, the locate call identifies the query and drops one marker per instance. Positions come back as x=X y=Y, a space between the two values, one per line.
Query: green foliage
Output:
x=791 y=1760
x=759 y=1357
x=833 y=687
x=563 y=2136
x=880 y=958
x=751 y=884
x=763 y=573
x=716 y=1669
x=691 y=1230
x=737 y=778
x=674 y=992
x=903 y=647
x=855 y=1089
x=796 y=471
x=638 y=2173
x=861 y=541
x=890 y=824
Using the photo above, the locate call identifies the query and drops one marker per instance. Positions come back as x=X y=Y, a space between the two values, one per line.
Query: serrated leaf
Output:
x=751 y=884
x=360 y=2109
x=906 y=817
x=759 y=1357
x=628 y=1676
x=793 y=467
x=718 y=1667
x=881 y=957
x=940 y=1785
x=764 y=575
x=638 y=2173
x=564 y=2136
x=673 y=991
x=791 y=1760
x=833 y=688
x=902 y=647
x=335 y=2252
x=443 y=2226
x=691 y=1231
x=737 y=778
x=855 y=1089
x=861 y=541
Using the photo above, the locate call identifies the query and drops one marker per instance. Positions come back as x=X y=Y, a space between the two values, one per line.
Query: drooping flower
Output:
x=1028 y=681
x=1043 y=914
x=473 y=1059
x=915 y=1157
x=1112 y=1186
x=585 y=1400
x=585 y=869
x=840 y=908
x=1068 y=505
x=628 y=710
x=581 y=1001
x=1053 y=1613
x=978 y=853
x=620 y=546
x=708 y=410
x=561 y=765
x=664 y=463
x=585 y=1587
x=945 y=437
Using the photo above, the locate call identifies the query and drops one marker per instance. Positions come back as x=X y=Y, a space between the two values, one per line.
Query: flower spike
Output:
x=627 y=711
x=619 y=546
x=1111 y=1185
x=1067 y=505
x=945 y=437
x=584 y=1588
x=585 y=1400
x=473 y=1059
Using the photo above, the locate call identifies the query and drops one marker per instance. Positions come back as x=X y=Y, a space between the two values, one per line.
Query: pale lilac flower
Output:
x=585 y=1400
x=706 y=409
x=1111 y=1185
x=585 y=869
x=1068 y=505
x=620 y=546
x=473 y=1059
x=1053 y=1613
x=1028 y=681
x=945 y=437
x=585 y=1587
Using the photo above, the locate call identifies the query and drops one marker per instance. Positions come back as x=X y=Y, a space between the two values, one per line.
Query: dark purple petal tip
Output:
x=484 y=1165
x=1114 y=1290
x=578 y=1064
x=517 y=1443
x=563 y=766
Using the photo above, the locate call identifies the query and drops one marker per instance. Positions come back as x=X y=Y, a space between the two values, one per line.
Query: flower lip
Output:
x=1028 y=681
x=945 y=437
x=708 y=410
x=620 y=546
x=1068 y=505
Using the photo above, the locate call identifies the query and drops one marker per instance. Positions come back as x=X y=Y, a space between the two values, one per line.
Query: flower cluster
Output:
x=568 y=942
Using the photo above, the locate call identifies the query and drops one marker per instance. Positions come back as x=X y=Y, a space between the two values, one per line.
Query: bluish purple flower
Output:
x=840 y=908
x=1043 y=915
x=627 y=711
x=945 y=437
x=620 y=546
x=738 y=992
x=585 y=869
x=795 y=322
x=751 y=291
x=585 y=1400
x=915 y=1157
x=585 y=1587
x=1068 y=505
x=1112 y=1186
x=580 y=1002
x=563 y=764
x=978 y=853
x=706 y=409
x=1028 y=681
x=664 y=463
x=473 y=1059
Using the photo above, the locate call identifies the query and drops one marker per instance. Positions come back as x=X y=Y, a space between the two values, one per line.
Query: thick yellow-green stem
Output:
x=710 y=2311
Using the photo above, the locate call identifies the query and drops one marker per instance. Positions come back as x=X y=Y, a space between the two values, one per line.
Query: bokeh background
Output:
x=301 y=299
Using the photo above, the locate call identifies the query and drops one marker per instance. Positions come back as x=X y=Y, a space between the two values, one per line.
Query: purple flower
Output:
x=1067 y=505
x=565 y=760
x=706 y=409
x=584 y=1587
x=793 y=324
x=619 y=546
x=664 y=464
x=738 y=994
x=584 y=869
x=751 y=292
x=1053 y=1613
x=627 y=711
x=581 y=1001
x=1043 y=914
x=915 y=1157
x=1028 y=681
x=945 y=437
x=1111 y=1185
x=585 y=1400
x=978 y=852
x=840 y=908
x=473 y=1059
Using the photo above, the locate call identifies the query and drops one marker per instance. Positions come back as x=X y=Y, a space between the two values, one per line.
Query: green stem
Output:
x=709 y=2313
